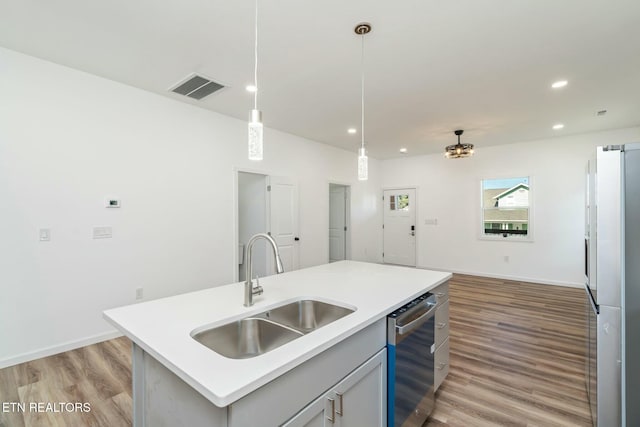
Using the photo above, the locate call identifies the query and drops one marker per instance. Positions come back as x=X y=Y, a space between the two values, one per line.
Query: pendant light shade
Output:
x=457 y=151
x=363 y=161
x=255 y=135
x=363 y=165
x=255 y=128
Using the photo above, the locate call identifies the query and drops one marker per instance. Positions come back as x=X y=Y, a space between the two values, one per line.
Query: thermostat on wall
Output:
x=111 y=203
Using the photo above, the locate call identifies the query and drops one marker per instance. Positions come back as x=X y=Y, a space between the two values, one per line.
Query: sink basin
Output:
x=263 y=332
x=246 y=338
x=307 y=315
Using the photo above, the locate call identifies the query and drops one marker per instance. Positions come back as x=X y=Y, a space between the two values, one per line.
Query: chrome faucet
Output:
x=249 y=290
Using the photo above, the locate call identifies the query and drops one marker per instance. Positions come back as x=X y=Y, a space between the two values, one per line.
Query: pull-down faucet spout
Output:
x=249 y=290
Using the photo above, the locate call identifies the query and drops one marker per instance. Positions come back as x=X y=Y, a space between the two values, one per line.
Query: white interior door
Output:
x=337 y=223
x=283 y=208
x=399 y=232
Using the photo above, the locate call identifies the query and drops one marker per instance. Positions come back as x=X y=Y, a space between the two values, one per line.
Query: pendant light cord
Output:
x=362 y=88
x=255 y=57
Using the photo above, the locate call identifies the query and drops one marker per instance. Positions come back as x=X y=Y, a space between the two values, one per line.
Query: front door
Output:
x=399 y=228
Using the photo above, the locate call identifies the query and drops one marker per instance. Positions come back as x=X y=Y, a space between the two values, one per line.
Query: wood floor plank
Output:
x=9 y=394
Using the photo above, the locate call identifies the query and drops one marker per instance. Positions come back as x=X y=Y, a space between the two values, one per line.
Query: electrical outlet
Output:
x=506 y=258
x=110 y=202
x=139 y=293
x=45 y=234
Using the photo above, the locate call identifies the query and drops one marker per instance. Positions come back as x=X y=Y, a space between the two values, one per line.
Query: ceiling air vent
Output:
x=196 y=87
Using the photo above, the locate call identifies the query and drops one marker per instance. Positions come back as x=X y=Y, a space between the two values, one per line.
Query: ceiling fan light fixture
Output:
x=459 y=150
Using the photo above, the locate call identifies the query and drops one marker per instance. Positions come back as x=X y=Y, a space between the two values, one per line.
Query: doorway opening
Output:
x=339 y=222
x=266 y=204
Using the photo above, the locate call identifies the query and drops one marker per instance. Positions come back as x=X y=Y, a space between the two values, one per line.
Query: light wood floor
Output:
x=516 y=355
x=99 y=374
x=516 y=359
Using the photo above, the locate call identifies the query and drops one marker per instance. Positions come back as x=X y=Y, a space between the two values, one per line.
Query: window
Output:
x=506 y=208
x=399 y=202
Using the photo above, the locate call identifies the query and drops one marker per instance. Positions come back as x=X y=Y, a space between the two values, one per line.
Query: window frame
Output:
x=529 y=237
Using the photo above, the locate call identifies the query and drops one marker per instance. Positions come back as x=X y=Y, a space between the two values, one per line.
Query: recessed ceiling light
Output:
x=251 y=88
x=352 y=130
x=403 y=150
x=559 y=84
x=558 y=126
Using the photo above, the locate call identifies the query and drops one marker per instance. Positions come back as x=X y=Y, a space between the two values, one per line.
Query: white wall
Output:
x=67 y=139
x=449 y=191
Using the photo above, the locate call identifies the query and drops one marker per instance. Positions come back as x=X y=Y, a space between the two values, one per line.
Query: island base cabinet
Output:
x=161 y=399
x=357 y=400
x=441 y=363
x=277 y=402
x=441 y=334
x=354 y=370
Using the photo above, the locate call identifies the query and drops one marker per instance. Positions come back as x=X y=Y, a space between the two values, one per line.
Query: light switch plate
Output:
x=102 y=232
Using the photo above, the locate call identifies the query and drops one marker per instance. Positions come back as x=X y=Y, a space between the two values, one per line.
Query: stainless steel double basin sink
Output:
x=263 y=332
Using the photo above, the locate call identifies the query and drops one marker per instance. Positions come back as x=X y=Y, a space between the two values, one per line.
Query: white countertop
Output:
x=162 y=327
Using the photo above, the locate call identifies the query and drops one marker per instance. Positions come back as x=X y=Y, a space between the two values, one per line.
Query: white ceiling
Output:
x=431 y=66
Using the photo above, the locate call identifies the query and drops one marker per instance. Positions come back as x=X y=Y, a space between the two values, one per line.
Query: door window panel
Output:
x=399 y=202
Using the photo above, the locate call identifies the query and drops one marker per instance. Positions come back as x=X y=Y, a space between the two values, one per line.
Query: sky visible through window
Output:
x=490 y=184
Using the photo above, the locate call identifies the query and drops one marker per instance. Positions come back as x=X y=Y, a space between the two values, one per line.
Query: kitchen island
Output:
x=179 y=380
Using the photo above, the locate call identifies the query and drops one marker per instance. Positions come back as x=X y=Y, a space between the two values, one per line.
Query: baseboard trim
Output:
x=508 y=277
x=50 y=351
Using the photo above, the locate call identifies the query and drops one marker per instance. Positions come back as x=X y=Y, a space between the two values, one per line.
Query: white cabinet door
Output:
x=315 y=414
x=360 y=399
x=441 y=363
x=442 y=323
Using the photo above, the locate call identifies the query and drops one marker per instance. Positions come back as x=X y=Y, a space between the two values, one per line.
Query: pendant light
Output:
x=363 y=161
x=457 y=151
x=255 y=117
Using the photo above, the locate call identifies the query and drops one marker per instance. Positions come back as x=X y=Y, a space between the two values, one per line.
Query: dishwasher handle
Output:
x=404 y=329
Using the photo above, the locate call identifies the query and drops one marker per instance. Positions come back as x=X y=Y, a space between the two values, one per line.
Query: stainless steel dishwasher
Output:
x=410 y=347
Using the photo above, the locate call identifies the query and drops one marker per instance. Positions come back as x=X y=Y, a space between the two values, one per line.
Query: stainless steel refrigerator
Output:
x=612 y=269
